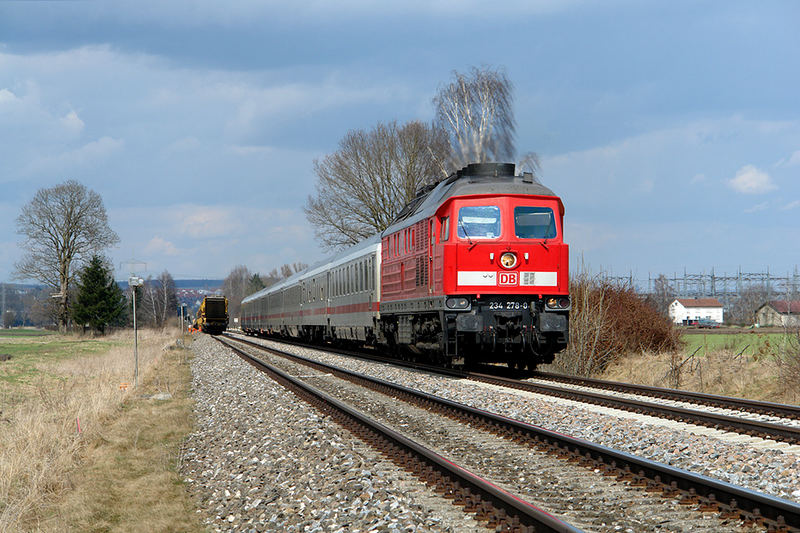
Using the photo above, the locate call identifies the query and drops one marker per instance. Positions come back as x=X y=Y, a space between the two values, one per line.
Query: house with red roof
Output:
x=692 y=310
x=784 y=313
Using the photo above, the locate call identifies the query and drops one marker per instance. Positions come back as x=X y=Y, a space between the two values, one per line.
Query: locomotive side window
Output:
x=534 y=222
x=479 y=222
x=445 y=229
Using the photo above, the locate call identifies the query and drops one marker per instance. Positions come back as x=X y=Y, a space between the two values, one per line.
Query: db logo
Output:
x=508 y=278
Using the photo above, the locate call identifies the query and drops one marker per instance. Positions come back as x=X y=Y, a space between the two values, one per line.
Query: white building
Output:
x=684 y=310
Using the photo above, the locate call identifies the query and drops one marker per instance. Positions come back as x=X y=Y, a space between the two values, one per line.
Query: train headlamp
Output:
x=558 y=302
x=457 y=303
x=508 y=260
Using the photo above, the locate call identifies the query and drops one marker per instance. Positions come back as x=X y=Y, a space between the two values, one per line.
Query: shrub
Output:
x=609 y=320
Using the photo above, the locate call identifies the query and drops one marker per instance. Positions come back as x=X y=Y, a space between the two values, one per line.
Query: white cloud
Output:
x=88 y=154
x=794 y=159
x=72 y=122
x=751 y=180
x=758 y=207
x=698 y=178
x=791 y=205
x=7 y=97
x=251 y=150
x=157 y=245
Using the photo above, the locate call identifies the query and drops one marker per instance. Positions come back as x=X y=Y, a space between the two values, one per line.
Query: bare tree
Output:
x=8 y=318
x=364 y=184
x=44 y=309
x=288 y=270
x=235 y=288
x=63 y=226
x=475 y=110
x=743 y=308
x=159 y=300
x=663 y=294
x=530 y=162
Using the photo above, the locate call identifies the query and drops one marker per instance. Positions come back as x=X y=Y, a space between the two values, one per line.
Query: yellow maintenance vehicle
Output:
x=212 y=317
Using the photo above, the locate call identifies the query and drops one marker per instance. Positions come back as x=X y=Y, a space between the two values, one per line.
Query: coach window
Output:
x=444 y=229
x=371 y=275
x=479 y=222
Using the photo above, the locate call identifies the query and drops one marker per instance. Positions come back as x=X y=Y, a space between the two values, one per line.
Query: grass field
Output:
x=747 y=342
x=31 y=354
x=80 y=448
x=24 y=332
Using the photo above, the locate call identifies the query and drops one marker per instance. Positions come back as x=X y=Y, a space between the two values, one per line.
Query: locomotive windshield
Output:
x=479 y=222
x=534 y=223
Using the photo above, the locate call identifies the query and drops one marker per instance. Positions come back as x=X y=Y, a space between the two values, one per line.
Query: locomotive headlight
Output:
x=508 y=260
x=457 y=303
x=558 y=303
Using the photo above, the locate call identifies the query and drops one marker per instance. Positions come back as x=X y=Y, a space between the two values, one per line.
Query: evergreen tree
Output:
x=255 y=284
x=100 y=301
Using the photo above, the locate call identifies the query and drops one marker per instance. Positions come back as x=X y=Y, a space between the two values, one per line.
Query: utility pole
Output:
x=135 y=281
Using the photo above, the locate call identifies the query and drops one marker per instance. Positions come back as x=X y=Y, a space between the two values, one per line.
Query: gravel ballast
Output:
x=262 y=460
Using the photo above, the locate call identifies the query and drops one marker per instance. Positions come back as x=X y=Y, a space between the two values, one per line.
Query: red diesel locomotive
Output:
x=474 y=269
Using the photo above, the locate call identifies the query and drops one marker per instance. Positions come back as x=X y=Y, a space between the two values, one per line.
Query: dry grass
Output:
x=46 y=464
x=721 y=371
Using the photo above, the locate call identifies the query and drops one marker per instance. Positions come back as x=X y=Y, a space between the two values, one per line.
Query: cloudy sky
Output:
x=670 y=129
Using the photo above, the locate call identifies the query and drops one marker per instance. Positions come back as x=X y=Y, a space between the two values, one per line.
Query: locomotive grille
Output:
x=421 y=276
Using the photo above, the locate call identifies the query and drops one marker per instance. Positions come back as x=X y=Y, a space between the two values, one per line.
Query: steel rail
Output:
x=708 y=494
x=502 y=510
x=771 y=430
x=727 y=402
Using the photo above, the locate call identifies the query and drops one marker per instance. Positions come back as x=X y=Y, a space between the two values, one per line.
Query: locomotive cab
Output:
x=506 y=277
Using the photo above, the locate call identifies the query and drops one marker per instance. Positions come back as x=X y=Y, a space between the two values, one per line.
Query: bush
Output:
x=609 y=320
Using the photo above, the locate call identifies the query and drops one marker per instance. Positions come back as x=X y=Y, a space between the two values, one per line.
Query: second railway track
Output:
x=659 y=404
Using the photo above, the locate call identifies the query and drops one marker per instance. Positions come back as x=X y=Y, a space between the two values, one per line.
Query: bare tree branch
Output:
x=475 y=109
x=363 y=186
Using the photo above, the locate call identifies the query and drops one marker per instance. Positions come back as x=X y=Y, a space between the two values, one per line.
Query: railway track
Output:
x=777 y=410
x=499 y=509
x=730 y=502
x=738 y=419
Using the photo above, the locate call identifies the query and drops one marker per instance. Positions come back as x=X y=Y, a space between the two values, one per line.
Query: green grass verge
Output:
x=28 y=352
x=748 y=343
x=24 y=332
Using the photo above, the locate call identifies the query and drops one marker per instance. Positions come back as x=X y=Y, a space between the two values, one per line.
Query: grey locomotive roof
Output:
x=478 y=178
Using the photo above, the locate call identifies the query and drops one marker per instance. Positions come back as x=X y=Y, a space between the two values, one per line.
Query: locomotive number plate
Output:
x=508 y=306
